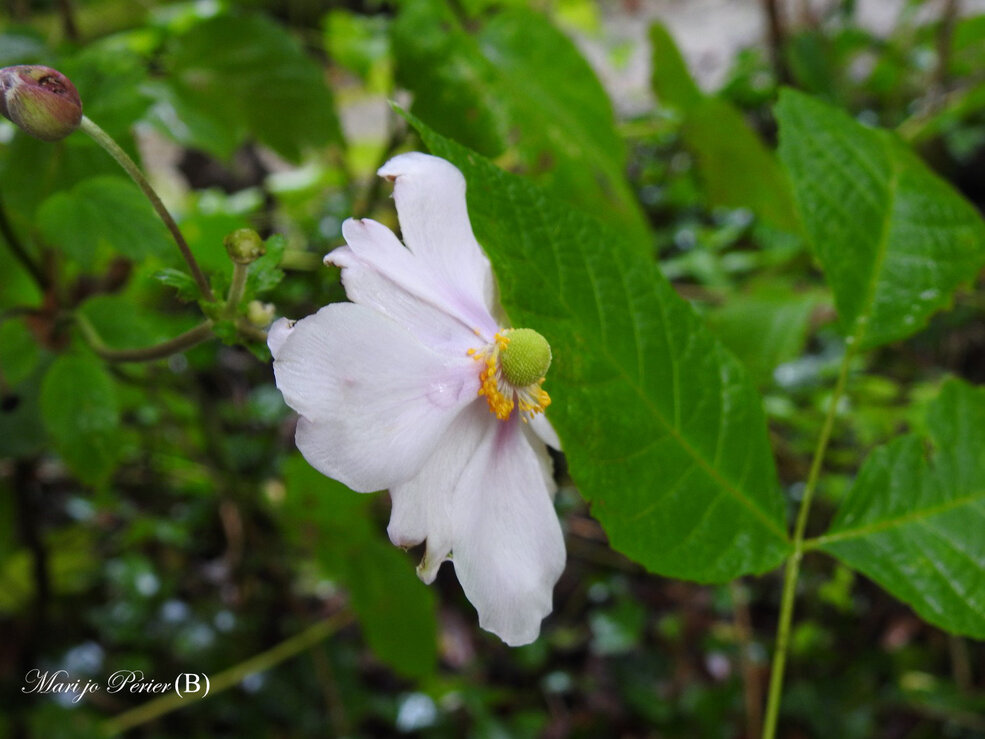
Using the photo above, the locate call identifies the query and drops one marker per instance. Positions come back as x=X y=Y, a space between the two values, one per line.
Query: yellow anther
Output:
x=500 y=389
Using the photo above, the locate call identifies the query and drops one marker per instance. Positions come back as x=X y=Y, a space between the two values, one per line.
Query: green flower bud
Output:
x=526 y=357
x=260 y=314
x=41 y=101
x=244 y=246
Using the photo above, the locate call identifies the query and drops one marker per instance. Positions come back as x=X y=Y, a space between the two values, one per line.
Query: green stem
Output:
x=233 y=676
x=250 y=331
x=792 y=570
x=237 y=287
x=123 y=159
x=192 y=337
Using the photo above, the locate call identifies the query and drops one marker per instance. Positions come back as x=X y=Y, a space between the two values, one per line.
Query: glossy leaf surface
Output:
x=894 y=239
x=913 y=521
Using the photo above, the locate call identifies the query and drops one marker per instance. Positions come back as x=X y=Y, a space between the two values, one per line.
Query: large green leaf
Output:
x=735 y=167
x=915 y=525
x=105 y=209
x=894 y=239
x=520 y=86
x=240 y=74
x=395 y=609
x=662 y=428
x=80 y=412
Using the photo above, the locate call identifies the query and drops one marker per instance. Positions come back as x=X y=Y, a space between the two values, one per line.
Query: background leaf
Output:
x=79 y=410
x=396 y=610
x=914 y=524
x=361 y=44
x=102 y=210
x=518 y=88
x=735 y=167
x=765 y=327
x=264 y=274
x=182 y=282
x=18 y=351
x=663 y=431
x=21 y=48
x=110 y=82
x=240 y=74
x=122 y=325
x=671 y=79
x=894 y=239
x=21 y=431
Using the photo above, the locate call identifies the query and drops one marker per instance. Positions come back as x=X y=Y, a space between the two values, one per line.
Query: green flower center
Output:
x=526 y=357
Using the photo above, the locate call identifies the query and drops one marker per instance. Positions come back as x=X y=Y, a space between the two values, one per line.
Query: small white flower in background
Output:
x=415 y=386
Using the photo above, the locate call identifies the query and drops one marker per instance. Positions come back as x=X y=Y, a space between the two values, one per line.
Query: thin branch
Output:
x=123 y=159
x=792 y=570
x=777 y=40
x=233 y=676
x=398 y=134
x=752 y=689
x=945 y=43
x=250 y=331
x=237 y=287
x=69 y=24
x=18 y=250
x=192 y=337
x=960 y=663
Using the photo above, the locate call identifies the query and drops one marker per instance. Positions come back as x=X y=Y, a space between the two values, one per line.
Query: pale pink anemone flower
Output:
x=416 y=387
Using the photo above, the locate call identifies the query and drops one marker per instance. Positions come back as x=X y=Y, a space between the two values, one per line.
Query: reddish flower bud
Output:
x=41 y=101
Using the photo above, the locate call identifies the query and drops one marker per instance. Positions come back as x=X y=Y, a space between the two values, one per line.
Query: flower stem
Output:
x=192 y=337
x=250 y=331
x=235 y=296
x=237 y=287
x=233 y=676
x=792 y=570
x=123 y=159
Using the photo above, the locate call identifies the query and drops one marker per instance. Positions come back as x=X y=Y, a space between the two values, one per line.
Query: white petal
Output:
x=545 y=431
x=434 y=220
x=277 y=334
x=379 y=272
x=374 y=401
x=422 y=507
x=543 y=457
x=507 y=545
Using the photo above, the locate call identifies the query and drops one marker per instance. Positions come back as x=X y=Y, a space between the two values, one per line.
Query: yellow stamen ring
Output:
x=514 y=365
